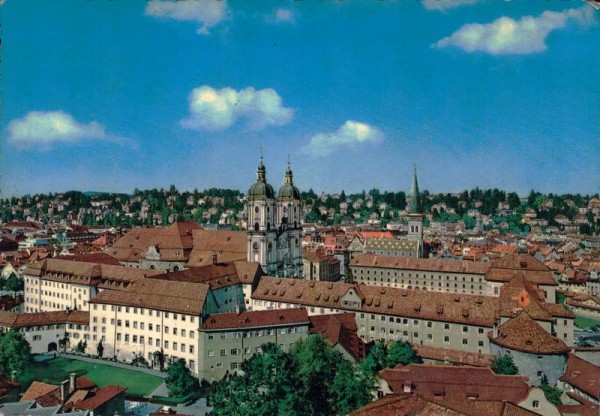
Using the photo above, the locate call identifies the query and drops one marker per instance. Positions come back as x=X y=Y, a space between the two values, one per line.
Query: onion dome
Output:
x=288 y=191
x=261 y=189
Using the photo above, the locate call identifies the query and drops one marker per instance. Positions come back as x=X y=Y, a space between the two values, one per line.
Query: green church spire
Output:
x=415 y=203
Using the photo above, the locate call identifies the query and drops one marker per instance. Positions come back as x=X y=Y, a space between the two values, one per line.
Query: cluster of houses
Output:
x=207 y=297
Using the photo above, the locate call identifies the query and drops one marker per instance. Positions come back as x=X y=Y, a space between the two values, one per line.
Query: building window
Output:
x=211 y=353
x=535 y=404
x=465 y=341
x=223 y=353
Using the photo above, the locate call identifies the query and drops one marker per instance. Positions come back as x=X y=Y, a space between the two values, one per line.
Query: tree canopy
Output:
x=15 y=353
x=312 y=378
x=380 y=356
x=504 y=364
x=180 y=380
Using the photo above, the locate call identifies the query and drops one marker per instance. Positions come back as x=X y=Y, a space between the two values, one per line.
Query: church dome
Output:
x=288 y=190
x=261 y=189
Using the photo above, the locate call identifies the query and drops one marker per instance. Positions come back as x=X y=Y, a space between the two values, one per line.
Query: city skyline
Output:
x=112 y=96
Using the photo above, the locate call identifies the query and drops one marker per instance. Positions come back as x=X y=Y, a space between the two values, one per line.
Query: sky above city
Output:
x=114 y=95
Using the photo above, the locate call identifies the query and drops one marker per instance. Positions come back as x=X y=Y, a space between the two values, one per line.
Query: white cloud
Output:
x=509 y=36
x=441 y=5
x=212 y=109
x=350 y=134
x=41 y=129
x=284 y=15
x=206 y=12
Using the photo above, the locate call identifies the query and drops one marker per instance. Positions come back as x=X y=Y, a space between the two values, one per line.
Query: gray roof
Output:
x=389 y=244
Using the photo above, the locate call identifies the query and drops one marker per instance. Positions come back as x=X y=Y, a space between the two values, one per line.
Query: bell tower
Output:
x=261 y=214
x=290 y=230
x=415 y=216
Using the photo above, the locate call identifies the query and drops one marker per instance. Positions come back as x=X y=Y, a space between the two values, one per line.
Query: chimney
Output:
x=63 y=391
x=214 y=258
x=495 y=329
x=72 y=382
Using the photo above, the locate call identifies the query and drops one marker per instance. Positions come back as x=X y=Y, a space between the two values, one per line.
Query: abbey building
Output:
x=274 y=233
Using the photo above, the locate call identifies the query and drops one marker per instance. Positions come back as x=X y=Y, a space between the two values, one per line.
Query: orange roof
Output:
x=36 y=390
x=375 y=234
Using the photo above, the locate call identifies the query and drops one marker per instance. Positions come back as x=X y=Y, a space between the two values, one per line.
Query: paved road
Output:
x=113 y=364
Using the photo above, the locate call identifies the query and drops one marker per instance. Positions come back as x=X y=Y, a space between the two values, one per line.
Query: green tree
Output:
x=401 y=353
x=375 y=360
x=13 y=284
x=268 y=386
x=311 y=379
x=552 y=394
x=504 y=364
x=180 y=380
x=15 y=352
x=350 y=389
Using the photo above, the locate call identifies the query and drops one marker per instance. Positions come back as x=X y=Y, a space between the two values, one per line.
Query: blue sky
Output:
x=112 y=95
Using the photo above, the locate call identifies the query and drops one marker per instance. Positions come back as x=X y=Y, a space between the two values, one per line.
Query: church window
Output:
x=256 y=209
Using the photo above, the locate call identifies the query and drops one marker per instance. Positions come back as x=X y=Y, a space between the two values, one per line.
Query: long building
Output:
x=453 y=276
x=437 y=319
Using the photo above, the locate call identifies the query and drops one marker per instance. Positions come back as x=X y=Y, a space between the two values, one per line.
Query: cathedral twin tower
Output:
x=273 y=228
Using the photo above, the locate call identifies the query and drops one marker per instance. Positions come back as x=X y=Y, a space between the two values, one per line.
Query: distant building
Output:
x=317 y=265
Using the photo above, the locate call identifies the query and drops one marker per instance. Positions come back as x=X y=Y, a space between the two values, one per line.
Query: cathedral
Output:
x=273 y=228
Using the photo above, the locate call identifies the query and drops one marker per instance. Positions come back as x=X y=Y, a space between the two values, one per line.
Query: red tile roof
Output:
x=411 y=263
x=98 y=258
x=255 y=319
x=582 y=375
x=36 y=390
x=340 y=329
x=503 y=268
x=524 y=334
x=216 y=275
x=454 y=383
x=163 y=295
x=436 y=306
x=453 y=356
x=407 y=404
x=20 y=320
x=101 y=397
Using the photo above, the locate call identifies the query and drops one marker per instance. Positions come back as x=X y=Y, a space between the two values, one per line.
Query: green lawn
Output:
x=58 y=369
x=583 y=322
